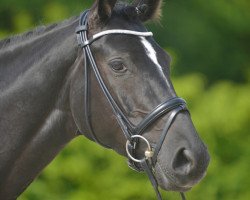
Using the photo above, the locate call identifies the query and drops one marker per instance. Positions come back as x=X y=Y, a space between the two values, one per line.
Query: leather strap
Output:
x=165 y=131
x=148 y=170
x=147 y=167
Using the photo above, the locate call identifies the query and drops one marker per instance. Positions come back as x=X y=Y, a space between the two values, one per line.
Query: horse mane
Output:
x=33 y=33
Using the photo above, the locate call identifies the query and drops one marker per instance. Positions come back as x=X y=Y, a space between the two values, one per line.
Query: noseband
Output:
x=132 y=133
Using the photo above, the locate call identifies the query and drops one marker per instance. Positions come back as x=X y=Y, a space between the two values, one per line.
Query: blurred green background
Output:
x=209 y=42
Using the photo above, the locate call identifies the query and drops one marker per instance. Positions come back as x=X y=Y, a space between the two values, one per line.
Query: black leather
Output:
x=160 y=110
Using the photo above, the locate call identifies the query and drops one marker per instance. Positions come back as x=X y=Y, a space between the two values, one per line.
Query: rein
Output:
x=132 y=133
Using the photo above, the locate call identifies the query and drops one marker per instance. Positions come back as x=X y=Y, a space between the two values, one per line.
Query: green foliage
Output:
x=209 y=41
x=211 y=37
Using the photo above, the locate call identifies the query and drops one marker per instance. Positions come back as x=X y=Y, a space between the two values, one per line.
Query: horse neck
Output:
x=19 y=54
x=35 y=117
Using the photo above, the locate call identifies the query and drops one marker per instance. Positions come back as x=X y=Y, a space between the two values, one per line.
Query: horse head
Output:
x=136 y=73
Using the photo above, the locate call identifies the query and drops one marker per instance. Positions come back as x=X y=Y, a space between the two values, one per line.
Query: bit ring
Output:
x=148 y=152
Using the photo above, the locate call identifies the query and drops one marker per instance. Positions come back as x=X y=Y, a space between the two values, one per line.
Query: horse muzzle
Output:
x=181 y=169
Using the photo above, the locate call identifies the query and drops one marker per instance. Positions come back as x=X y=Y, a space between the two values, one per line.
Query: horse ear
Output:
x=148 y=9
x=101 y=11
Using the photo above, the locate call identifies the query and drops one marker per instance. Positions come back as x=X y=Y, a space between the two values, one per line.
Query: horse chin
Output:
x=167 y=183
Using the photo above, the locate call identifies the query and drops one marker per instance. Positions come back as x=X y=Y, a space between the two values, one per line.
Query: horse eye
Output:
x=118 y=67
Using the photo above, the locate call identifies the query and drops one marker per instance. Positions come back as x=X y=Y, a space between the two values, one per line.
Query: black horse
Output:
x=49 y=95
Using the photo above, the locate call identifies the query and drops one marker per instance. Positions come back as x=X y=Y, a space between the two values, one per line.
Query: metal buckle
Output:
x=148 y=153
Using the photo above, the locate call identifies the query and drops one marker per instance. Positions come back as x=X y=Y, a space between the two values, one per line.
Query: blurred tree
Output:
x=211 y=37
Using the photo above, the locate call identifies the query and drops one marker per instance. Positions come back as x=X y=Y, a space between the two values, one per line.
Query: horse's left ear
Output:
x=148 y=9
x=101 y=11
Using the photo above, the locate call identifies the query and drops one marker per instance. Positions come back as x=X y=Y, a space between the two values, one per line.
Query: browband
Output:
x=112 y=31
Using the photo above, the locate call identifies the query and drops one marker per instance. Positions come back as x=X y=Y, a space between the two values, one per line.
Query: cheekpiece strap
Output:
x=81 y=28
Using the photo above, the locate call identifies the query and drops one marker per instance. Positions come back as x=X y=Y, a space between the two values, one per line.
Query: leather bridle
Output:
x=132 y=133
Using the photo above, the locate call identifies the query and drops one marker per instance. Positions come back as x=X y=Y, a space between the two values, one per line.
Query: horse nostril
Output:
x=183 y=162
